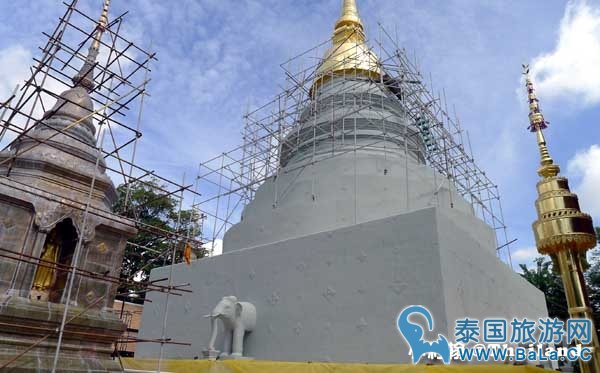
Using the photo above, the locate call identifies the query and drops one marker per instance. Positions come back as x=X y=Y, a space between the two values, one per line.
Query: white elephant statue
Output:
x=238 y=318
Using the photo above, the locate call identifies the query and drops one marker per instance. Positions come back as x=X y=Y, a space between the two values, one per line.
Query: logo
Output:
x=413 y=334
x=516 y=340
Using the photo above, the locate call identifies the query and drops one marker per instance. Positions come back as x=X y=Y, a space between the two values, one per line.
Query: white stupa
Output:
x=356 y=238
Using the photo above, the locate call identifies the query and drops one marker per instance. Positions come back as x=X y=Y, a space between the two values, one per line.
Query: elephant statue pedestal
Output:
x=234 y=357
x=238 y=318
x=210 y=354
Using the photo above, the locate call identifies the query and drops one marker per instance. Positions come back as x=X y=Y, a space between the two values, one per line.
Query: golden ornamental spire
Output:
x=85 y=76
x=102 y=23
x=561 y=229
x=560 y=221
x=536 y=124
x=349 y=54
x=349 y=15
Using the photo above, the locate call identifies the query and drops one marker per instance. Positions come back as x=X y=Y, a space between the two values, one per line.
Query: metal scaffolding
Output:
x=229 y=181
x=121 y=76
x=226 y=183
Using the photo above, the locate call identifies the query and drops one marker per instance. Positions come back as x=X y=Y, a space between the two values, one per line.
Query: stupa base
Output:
x=87 y=345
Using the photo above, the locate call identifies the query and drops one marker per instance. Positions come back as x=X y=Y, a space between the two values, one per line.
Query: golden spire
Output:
x=536 y=124
x=559 y=218
x=102 y=22
x=85 y=76
x=561 y=229
x=349 y=53
x=349 y=15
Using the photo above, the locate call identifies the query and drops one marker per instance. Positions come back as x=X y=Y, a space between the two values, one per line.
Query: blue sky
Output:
x=216 y=57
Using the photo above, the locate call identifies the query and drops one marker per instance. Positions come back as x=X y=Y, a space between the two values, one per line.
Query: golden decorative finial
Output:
x=559 y=217
x=85 y=76
x=536 y=124
x=349 y=54
x=349 y=15
x=561 y=229
x=102 y=22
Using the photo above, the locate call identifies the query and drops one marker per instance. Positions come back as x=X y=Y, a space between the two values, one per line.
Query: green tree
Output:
x=543 y=277
x=546 y=278
x=157 y=215
x=592 y=277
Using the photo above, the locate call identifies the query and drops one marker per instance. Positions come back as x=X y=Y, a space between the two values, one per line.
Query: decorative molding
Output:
x=48 y=217
x=102 y=248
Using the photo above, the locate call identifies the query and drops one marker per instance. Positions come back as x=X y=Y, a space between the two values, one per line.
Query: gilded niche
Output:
x=45 y=274
x=52 y=268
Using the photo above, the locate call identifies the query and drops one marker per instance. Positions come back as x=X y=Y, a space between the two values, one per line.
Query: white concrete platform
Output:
x=335 y=296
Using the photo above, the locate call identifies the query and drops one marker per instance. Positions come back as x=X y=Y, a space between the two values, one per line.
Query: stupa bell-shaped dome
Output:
x=74 y=104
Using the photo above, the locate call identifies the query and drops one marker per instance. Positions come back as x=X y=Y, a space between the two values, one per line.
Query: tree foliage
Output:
x=592 y=277
x=546 y=278
x=158 y=215
x=543 y=277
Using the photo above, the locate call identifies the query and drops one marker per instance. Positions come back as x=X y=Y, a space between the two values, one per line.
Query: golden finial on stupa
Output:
x=561 y=229
x=349 y=15
x=349 y=54
x=85 y=76
x=102 y=22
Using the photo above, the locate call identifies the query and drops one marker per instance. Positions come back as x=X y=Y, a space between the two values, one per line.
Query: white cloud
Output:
x=14 y=69
x=214 y=247
x=585 y=167
x=571 y=69
x=524 y=255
